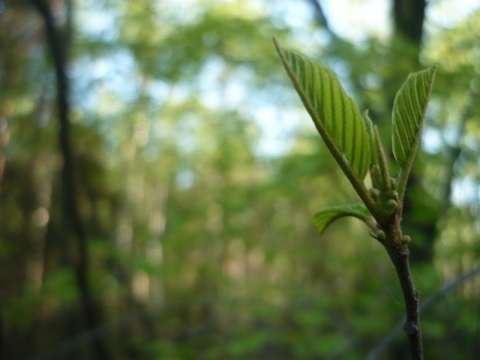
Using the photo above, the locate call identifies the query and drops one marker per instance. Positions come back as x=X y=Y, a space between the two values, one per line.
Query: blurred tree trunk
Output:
x=72 y=223
x=4 y=136
x=409 y=16
x=421 y=215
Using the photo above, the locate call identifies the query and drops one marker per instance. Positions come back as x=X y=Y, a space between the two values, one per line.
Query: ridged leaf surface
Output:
x=409 y=110
x=334 y=113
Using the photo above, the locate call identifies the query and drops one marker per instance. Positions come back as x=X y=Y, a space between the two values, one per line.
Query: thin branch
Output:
x=411 y=323
x=321 y=18
x=390 y=337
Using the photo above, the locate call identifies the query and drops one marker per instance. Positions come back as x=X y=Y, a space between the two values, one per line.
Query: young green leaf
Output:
x=371 y=135
x=378 y=164
x=409 y=110
x=334 y=113
x=323 y=218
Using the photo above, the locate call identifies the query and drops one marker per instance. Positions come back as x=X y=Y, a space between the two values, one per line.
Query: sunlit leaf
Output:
x=323 y=218
x=334 y=113
x=408 y=115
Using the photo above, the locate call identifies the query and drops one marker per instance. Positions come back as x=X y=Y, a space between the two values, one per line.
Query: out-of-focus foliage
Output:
x=198 y=173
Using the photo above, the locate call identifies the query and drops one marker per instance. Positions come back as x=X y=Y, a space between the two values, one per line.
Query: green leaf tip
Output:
x=409 y=110
x=325 y=217
x=334 y=113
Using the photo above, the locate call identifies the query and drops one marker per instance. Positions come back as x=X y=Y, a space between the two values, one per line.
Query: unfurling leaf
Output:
x=323 y=218
x=378 y=164
x=409 y=110
x=334 y=113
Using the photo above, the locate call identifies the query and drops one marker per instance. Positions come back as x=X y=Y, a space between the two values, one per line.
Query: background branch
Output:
x=321 y=18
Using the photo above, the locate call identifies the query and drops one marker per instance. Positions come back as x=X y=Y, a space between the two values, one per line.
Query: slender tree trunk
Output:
x=406 y=44
x=409 y=16
x=73 y=224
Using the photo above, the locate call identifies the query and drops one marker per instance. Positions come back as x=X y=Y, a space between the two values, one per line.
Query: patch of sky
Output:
x=277 y=126
x=185 y=130
x=159 y=90
x=358 y=20
x=471 y=142
x=447 y=13
x=299 y=18
x=466 y=191
x=299 y=13
x=95 y=20
x=184 y=178
x=120 y=79
x=234 y=92
x=451 y=134
x=432 y=141
x=178 y=12
x=224 y=88
x=371 y=81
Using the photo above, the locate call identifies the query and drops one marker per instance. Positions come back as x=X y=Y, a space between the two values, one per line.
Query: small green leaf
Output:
x=334 y=113
x=323 y=218
x=371 y=132
x=378 y=165
x=409 y=110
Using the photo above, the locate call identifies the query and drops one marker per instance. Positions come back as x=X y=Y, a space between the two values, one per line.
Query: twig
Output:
x=411 y=327
x=390 y=337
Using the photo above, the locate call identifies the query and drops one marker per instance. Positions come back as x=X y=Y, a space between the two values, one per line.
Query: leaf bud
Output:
x=376 y=176
x=393 y=183
x=390 y=206
x=374 y=193
x=406 y=239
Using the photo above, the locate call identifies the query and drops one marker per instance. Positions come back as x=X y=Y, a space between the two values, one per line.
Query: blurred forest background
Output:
x=181 y=225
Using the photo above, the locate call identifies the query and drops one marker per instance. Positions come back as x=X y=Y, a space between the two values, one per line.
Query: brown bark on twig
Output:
x=432 y=299
x=399 y=257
